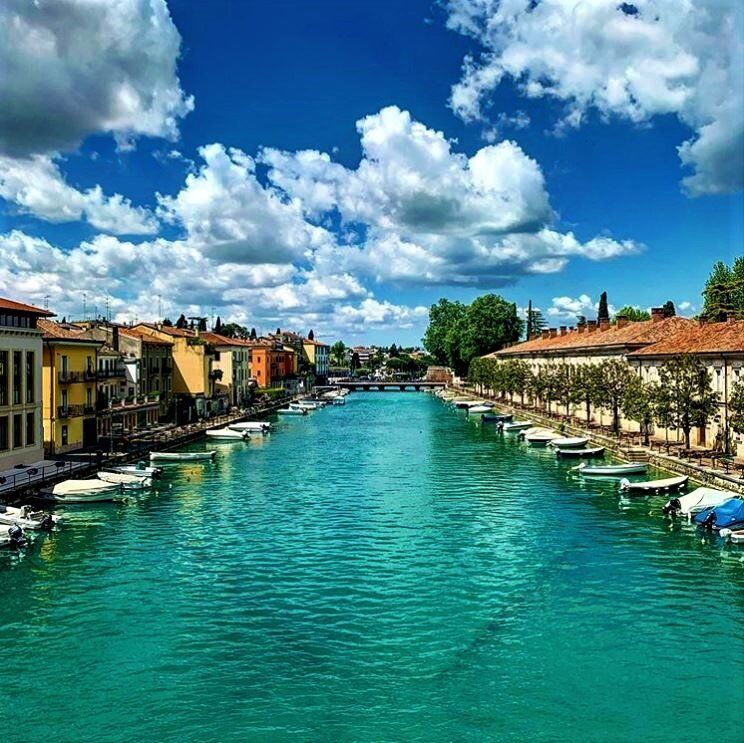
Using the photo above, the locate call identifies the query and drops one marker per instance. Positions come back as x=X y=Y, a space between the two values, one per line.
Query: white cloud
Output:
x=77 y=67
x=572 y=307
x=633 y=60
x=36 y=186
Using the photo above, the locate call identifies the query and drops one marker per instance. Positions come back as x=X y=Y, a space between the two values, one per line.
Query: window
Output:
x=64 y=436
x=89 y=398
x=3 y=432
x=65 y=365
x=17 y=430
x=30 y=376
x=3 y=377
x=64 y=398
x=17 y=376
x=30 y=429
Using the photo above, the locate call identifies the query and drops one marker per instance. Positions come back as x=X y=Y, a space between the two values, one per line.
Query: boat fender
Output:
x=624 y=483
x=15 y=533
x=709 y=521
x=725 y=533
x=671 y=508
x=47 y=523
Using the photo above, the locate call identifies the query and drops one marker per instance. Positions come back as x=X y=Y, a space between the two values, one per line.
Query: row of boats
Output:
x=116 y=482
x=716 y=510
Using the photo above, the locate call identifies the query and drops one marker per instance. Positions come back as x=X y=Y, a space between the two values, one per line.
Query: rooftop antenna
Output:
x=160 y=309
x=108 y=308
x=46 y=301
x=85 y=308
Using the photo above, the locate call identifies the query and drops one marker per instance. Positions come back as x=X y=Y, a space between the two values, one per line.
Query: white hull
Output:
x=517 y=426
x=184 y=456
x=479 y=409
x=251 y=426
x=27 y=518
x=227 y=433
x=291 y=411
x=700 y=499
x=86 y=491
x=612 y=470
x=654 y=486
x=128 y=482
x=133 y=469
x=577 y=442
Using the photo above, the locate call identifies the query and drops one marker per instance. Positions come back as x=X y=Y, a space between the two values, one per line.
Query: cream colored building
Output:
x=232 y=358
x=21 y=440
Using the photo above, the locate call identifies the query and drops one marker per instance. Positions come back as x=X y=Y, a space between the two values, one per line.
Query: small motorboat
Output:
x=737 y=537
x=540 y=436
x=12 y=536
x=292 y=410
x=575 y=442
x=479 y=409
x=28 y=518
x=311 y=404
x=339 y=401
x=654 y=486
x=729 y=515
x=227 y=433
x=139 y=469
x=597 y=451
x=696 y=501
x=611 y=470
x=85 y=491
x=517 y=426
x=465 y=403
x=497 y=417
x=128 y=482
x=251 y=426
x=182 y=456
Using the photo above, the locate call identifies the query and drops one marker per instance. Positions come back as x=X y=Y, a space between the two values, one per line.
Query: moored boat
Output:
x=654 y=486
x=227 y=433
x=140 y=469
x=517 y=426
x=182 y=456
x=611 y=470
x=570 y=442
x=128 y=482
x=696 y=501
x=479 y=409
x=291 y=410
x=728 y=515
x=28 y=518
x=498 y=417
x=257 y=426
x=737 y=537
x=12 y=536
x=540 y=436
x=85 y=491
x=597 y=451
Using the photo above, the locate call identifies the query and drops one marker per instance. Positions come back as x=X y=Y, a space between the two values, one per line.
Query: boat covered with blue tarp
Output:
x=729 y=515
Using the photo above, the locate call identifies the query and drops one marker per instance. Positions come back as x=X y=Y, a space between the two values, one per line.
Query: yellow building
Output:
x=20 y=384
x=193 y=373
x=68 y=387
x=232 y=360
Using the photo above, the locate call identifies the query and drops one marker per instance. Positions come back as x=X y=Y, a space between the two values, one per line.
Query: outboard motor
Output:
x=15 y=533
x=709 y=521
x=672 y=508
x=47 y=523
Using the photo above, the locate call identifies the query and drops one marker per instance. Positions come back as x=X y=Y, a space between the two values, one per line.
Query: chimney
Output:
x=657 y=314
x=591 y=326
x=604 y=324
x=580 y=328
x=730 y=316
x=622 y=321
x=553 y=332
x=564 y=330
x=545 y=334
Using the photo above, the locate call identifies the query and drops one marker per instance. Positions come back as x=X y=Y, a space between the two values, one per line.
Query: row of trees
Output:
x=683 y=398
x=458 y=333
x=724 y=291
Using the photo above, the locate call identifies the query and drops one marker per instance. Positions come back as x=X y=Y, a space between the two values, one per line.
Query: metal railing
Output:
x=70 y=411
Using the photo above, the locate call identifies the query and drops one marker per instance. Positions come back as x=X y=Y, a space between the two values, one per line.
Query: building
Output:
x=318 y=354
x=721 y=346
x=193 y=372
x=69 y=387
x=232 y=367
x=272 y=364
x=149 y=363
x=21 y=439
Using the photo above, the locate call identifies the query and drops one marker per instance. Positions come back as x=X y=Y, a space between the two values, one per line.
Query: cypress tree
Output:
x=603 y=312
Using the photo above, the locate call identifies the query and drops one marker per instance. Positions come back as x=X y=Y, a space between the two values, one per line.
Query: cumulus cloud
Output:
x=429 y=214
x=632 y=60
x=71 y=68
x=34 y=185
x=572 y=307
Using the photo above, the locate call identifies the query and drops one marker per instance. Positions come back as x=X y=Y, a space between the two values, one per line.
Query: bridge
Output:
x=400 y=386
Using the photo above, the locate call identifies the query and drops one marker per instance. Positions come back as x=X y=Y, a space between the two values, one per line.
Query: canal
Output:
x=386 y=570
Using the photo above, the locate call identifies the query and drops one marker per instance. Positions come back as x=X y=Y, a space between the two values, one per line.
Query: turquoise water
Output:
x=381 y=571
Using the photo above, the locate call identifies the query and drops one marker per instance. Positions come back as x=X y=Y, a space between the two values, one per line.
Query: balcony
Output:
x=70 y=411
x=138 y=401
x=114 y=372
x=68 y=377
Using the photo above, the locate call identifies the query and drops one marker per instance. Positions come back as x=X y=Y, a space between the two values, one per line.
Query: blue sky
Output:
x=577 y=187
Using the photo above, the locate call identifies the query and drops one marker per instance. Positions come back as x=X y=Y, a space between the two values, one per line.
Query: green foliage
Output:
x=354 y=364
x=724 y=291
x=691 y=400
x=167 y=322
x=338 y=353
x=736 y=407
x=634 y=314
x=218 y=325
x=311 y=335
x=233 y=330
x=603 y=313
x=182 y=322
x=613 y=378
x=440 y=339
x=668 y=308
x=535 y=323
x=637 y=403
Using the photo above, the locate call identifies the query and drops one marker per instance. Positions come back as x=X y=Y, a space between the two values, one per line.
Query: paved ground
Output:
x=35 y=473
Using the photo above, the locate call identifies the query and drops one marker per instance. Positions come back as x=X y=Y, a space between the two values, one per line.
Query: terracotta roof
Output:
x=222 y=340
x=55 y=332
x=9 y=304
x=169 y=330
x=307 y=341
x=632 y=335
x=718 y=337
x=144 y=336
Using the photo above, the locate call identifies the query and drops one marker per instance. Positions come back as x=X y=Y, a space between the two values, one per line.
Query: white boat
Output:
x=575 y=442
x=611 y=470
x=516 y=426
x=85 y=491
x=227 y=433
x=28 y=518
x=654 y=486
x=465 y=403
x=251 y=426
x=12 y=536
x=479 y=409
x=182 y=456
x=696 y=501
x=540 y=436
x=128 y=482
x=291 y=410
x=311 y=404
x=736 y=536
x=140 y=470
x=339 y=401
x=597 y=451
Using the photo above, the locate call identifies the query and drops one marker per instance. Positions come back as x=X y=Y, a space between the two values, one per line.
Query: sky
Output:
x=341 y=166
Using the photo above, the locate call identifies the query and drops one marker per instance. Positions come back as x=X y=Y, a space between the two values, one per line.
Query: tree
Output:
x=693 y=401
x=586 y=381
x=182 y=322
x=490 y=322
x=719 y=293
x=253 y=335
x=441 y=337
x=202 y=324
x=613 y=378
x=355 y=363
x=736 y=407
x=634 y=314
x=218 y=325
x=668 y=308
x=311 y=336
x=638 y=404
x=535 y=322
x=338 y=353
x=662 y=409
x=167 y=322
x=393 y=351
x=233 y=330
x=278 y=331
x=603 y=313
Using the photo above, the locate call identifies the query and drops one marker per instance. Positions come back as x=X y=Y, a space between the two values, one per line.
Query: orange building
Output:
x=272 y=364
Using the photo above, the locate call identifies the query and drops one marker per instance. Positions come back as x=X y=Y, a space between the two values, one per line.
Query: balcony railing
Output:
x=135 y=402
x=112 y=372
x=69 y=377
x=70 y=411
